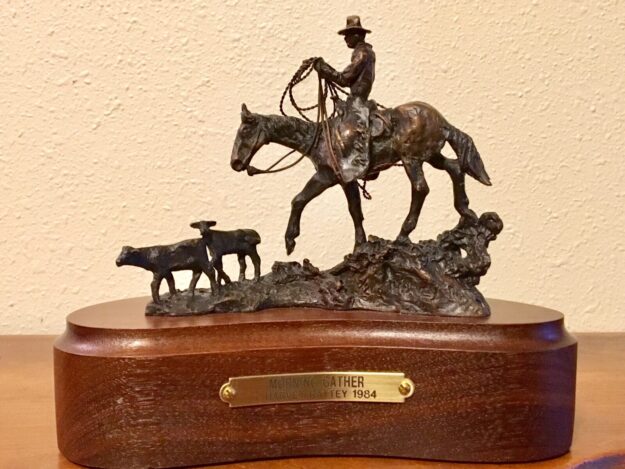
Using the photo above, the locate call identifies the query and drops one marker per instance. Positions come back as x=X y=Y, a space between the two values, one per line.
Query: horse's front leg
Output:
x=314 y=187
x=355 y=210
x=420 y=190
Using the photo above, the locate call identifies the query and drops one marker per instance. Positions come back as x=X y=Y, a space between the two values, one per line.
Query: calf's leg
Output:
x=220 y=271
x=171 y=284
x=156 y=284
x=209 y=271
x=194 y=280
x=256 y=261
x=242 y=266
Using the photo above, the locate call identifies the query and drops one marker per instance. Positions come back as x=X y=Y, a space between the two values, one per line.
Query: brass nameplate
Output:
x=347 y=386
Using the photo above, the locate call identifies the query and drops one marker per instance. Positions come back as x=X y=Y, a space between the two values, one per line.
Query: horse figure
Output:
x=418 y=133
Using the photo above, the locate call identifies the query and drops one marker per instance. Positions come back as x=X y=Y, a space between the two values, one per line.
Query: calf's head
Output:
x=204 y=227
x=128 y=256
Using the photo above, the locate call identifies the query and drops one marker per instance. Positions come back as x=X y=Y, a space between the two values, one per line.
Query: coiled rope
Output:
x=325 y=88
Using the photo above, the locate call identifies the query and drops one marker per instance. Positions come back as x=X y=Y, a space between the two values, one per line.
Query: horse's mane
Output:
x=288 y=124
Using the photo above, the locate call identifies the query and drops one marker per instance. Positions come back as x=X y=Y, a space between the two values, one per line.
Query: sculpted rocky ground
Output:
x=436 y=277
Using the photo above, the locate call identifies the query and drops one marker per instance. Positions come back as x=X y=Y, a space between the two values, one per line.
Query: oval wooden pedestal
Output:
x=137 y=391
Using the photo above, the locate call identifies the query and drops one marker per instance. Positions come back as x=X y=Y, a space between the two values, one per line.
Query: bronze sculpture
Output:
x=358 y=76
x=240 y=242
x=357 y=141
x=191 y=254
x=410 y=135
x=163 y=260
x=431 y=277
x=486 y=389
x=419 y=133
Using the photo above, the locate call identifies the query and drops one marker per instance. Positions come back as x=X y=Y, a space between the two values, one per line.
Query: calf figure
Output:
x=240 y=242
x=163 y=260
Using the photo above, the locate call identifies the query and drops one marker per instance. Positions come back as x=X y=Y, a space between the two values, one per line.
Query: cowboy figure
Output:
x=359 y=76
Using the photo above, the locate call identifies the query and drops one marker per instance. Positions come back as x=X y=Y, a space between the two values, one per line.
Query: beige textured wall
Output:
x=117 y=121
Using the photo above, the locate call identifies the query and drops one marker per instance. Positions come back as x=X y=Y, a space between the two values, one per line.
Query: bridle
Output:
x=326 y=88
x=300 y=75
x=252 y=171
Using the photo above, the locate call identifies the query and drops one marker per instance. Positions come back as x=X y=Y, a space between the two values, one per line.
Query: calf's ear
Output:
x=203 y=225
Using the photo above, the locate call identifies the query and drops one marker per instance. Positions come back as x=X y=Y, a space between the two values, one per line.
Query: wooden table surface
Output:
x=28 y=439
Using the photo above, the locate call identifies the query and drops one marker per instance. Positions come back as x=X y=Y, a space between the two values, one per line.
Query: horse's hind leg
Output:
x=355 y=210
x=420 y=190
x=461 y=201
x=242 y=266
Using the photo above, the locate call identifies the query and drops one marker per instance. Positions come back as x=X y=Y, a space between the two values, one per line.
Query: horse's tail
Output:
x=468 y=156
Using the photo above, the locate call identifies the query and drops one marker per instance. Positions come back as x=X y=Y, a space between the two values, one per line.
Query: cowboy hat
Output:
x=353 y=26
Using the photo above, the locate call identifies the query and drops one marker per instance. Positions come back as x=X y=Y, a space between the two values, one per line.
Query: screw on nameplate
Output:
x=227 y=393
x=334 y=386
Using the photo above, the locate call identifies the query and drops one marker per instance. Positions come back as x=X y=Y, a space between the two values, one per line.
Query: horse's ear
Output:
x=246 y=115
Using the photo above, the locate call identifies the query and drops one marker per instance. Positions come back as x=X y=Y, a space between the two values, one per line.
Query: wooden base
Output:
x=137 y=391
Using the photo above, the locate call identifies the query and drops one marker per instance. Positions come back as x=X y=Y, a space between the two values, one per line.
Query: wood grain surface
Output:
x=133 y=391
x=28 y=436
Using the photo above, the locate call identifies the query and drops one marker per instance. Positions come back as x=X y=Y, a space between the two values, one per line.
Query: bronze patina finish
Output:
x=325 y=364
x=410 y=134
x=417 y=136
x=191 y=254
x=358 y=76
x=219 y=243
x=353 y=143
x=163 y=260
x=435 y=277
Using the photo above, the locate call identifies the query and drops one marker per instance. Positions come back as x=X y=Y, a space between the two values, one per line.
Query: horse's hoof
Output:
x=468 y=219
x=402 y=239
x=362 y=239
x=290 y=246
x=357 y=245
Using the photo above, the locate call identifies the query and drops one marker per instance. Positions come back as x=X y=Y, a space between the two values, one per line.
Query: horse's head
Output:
x=250 y=138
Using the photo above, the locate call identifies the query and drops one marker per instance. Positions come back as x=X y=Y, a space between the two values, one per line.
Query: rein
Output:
x=251 y=170
x=300 y=75
x=325 y=88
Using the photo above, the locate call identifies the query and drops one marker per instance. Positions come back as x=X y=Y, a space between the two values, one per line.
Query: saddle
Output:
x=380 y=127
x=379 y=124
